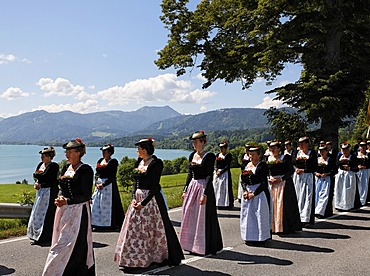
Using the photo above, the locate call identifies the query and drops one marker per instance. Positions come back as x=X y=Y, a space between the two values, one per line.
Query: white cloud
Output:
x=59 y=87
x=163 y=88
x=6 y=58
x=200 y=77
x=283 y=83
x=80 y=107
x=203 y=108
x=269 y=102
x=84 y=96
x=13 y=93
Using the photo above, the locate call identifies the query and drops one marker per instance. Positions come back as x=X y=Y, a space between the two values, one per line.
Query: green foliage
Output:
x=61 y=165
x=24 y=181
x=167 y=167
x=286 y=125
x=178 y=165
x=25 y=198
x=125 y=172
x=12 y=228
x=241 y=40
x=237 y=155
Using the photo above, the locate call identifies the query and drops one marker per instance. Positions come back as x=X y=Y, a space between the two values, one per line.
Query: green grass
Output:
x=172 y=186
x=10 y=193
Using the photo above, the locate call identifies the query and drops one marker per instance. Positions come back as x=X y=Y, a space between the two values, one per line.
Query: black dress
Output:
x=127 y=253
x=109 y=172
x=291 y=217
x=46 y=179
x=202 y=172
x=77 y=190
x=309 y=166
x=223 y=166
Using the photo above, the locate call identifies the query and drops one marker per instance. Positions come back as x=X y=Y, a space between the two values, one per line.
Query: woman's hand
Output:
x=299 y=171
x=37 y=186
x=183 y=196
x=100 y=186
x=138 y=206
x=60 y=201
x=203 y=200
x=248 y=195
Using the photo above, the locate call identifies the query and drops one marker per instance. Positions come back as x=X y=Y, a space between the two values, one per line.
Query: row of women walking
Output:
x=271 y=200
x=67 y=214
x=299 y=185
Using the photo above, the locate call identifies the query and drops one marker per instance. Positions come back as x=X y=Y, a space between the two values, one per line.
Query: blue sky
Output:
x=89 y=56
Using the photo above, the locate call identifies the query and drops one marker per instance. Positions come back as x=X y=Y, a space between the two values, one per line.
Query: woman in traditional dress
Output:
x=305 y=164
x=147 y=235
x=288 y=148
x=333 y=152
x=323 y=176
x=222 y=182
x=40 y=224
x=71 y=251
x=200 y=231
x=363 y=160
x=285 y=213
x=106 y=209
x=255 y=225
x=244 y=161
x=345 y=189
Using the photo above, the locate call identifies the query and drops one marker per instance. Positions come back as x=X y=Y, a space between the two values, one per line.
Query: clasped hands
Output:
x=60 y=201
x=136 y=205
x=248 y=195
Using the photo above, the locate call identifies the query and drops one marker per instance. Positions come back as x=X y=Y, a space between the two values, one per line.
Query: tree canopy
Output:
x=241 y=40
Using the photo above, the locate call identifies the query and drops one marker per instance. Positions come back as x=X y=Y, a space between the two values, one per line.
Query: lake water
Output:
x=20 y=161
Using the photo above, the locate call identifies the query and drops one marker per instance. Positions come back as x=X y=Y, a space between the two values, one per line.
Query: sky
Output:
x=89 y=56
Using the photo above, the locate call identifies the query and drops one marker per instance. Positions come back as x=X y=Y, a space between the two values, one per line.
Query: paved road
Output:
x=339 y=245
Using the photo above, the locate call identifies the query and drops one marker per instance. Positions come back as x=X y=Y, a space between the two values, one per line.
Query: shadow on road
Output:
x=6 y=271
x=334 y=225
x=187 y=270
x=351 y=217
x=275 y=244
x=246 y=259
x=99 y=245
x=315 y=235
x=228 y=215
x=176 y=223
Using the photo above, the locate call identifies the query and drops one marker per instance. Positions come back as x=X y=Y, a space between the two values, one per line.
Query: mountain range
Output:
x=40 y=127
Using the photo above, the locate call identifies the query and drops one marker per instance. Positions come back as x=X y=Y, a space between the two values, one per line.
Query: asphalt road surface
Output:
x=339 y=245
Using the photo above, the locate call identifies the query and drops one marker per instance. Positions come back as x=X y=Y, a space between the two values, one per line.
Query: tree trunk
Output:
x=334 y=34
x=330 y=130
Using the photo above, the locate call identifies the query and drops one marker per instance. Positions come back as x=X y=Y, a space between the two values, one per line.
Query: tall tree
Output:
x=286 y=125
x=240 y=40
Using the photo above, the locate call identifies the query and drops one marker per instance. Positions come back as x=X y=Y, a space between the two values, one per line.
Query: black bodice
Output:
x=77 y=189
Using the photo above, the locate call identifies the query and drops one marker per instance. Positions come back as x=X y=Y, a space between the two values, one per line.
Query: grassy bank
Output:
x=172 y=186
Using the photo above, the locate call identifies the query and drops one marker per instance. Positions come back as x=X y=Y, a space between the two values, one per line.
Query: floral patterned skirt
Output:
x=142 y=240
